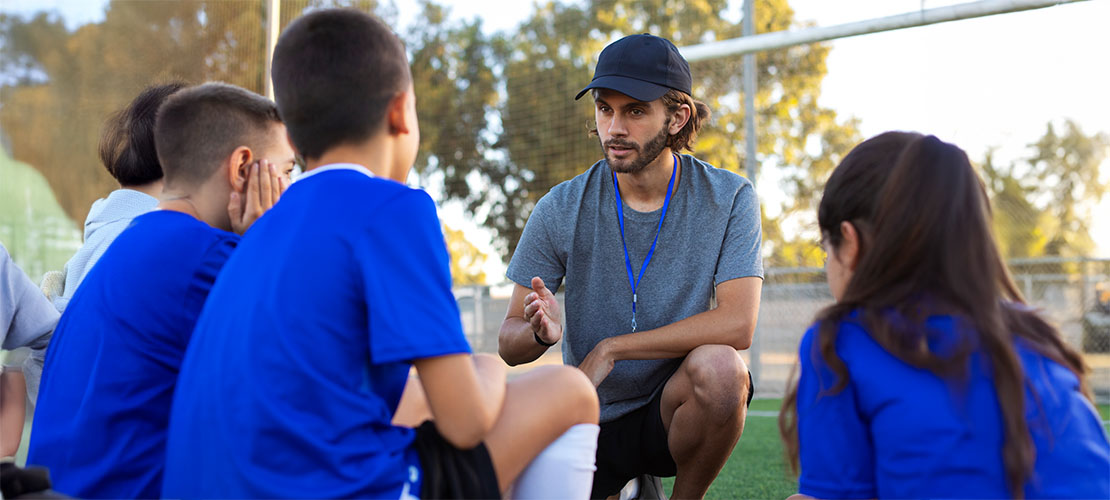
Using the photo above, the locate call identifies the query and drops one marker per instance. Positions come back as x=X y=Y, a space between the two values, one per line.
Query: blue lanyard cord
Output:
x=620 y=218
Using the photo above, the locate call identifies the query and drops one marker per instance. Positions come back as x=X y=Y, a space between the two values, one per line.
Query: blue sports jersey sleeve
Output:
x=411 y=310
x=837 y=457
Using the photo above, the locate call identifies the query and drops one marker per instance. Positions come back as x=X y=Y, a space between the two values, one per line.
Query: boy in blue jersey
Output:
x=293 y=382
x=112 y=365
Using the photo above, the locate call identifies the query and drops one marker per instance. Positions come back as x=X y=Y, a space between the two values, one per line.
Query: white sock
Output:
x=563 y=470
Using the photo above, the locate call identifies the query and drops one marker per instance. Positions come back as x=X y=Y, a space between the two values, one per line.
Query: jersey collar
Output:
x=335 y=166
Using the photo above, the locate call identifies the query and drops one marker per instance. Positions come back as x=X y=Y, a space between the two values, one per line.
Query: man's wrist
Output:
x=607 y=348
x=540 y=341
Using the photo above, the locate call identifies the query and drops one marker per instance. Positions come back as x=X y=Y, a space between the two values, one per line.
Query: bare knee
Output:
x=577 y=396
x=719 y=377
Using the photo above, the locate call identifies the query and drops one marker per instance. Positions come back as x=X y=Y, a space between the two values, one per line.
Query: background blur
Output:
x=1023 y=93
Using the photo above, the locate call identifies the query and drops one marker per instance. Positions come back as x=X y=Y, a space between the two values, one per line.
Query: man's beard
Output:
x=644 y=155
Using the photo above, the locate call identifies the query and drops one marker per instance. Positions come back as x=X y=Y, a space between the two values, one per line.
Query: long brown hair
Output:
x=926 y=248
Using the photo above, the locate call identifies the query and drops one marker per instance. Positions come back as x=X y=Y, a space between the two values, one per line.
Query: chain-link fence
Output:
x=1073 y=293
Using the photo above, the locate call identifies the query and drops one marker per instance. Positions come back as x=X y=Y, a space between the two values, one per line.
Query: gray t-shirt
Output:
x=711 y=234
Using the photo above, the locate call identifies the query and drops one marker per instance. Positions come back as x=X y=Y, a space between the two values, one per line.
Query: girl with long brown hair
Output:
x=930 y=376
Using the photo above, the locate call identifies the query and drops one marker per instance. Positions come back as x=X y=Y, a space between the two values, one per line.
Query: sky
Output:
x=979 y=83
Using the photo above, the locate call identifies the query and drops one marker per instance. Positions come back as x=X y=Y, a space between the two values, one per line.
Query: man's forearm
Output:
x=717 y=326
x=516 y=342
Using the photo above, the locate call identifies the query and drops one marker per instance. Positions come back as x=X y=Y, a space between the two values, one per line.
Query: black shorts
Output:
x=634 y=445
x=453 y=473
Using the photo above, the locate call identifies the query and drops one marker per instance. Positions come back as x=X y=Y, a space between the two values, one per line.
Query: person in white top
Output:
x=127 y=151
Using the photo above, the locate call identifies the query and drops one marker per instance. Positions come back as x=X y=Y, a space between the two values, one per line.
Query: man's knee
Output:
x=719 y=376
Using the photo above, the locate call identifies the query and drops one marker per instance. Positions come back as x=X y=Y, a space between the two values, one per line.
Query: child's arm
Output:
x=413 y=409
x=464 y=394
x=13 y=394
x=836 y=452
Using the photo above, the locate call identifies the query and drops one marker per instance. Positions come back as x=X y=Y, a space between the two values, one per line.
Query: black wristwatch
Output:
x=540 y=341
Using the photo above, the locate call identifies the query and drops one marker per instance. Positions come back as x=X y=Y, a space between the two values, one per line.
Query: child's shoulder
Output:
x=349 y=184
x=852 y=336
x=850 y=325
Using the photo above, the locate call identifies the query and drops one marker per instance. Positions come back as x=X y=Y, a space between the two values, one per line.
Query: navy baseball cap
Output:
x=643 y=67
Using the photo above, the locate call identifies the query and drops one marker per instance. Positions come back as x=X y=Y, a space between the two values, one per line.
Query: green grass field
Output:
x=757 y=468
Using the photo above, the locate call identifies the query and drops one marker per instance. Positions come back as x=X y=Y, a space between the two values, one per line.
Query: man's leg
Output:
x=703 y=409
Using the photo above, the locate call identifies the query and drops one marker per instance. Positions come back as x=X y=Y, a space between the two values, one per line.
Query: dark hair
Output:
x=199 y=127
x=699 y=114
x=672 y=100
x=335 y=72
x=924 y=221
x=127 y=142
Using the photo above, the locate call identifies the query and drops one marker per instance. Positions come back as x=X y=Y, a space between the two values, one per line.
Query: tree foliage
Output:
x=59 y=85
x=466 y=259
x=1043 y=204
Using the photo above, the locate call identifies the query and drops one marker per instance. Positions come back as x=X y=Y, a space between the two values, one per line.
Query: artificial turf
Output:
x=757 y=468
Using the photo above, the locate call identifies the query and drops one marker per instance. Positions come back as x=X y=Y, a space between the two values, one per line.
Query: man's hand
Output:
x=598 y=363
x=263 y=188
x=542 y=312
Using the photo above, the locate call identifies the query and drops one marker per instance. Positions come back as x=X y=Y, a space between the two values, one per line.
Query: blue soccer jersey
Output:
x=303 y=350
x=104 y=403
x=897 y=431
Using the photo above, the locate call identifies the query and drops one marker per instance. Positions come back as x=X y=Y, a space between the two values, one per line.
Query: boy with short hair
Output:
x=293 y=384
x=111 y=369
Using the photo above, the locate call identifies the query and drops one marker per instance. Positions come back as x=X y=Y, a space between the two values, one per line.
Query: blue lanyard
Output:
x=620 y=218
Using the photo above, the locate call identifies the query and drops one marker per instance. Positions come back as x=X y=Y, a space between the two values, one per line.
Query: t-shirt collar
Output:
x=334 y=166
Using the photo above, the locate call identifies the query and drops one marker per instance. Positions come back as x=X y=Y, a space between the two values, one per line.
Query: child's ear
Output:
x=239 y=167
x=396 y=117
x=849 y=249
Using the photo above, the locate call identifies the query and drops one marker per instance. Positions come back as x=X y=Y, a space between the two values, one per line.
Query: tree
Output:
x=466 y=259
x=59 y=85
x=1043 y=204
x=455 y=84
x=1019 y=225
x=1066 y=168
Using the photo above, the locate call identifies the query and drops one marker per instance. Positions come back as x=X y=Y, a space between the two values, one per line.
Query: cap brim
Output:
x=631 y=87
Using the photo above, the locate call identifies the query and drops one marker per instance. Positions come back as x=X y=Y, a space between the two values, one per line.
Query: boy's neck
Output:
x=374 y=154
x=207 y=203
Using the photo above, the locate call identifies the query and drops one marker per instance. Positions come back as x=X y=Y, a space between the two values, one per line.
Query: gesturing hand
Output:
x=263 y=188
x=598 y=363
x=542 y=312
